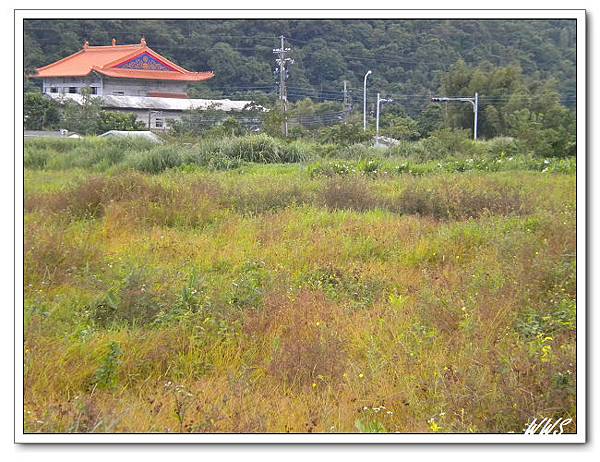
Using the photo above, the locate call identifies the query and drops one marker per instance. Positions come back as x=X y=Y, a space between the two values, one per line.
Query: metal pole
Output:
x=345 y=103
x=365 y=100
x=475 y=110
x=377 y=118
x=282 y=92
x=465 y=99
x=281 y=70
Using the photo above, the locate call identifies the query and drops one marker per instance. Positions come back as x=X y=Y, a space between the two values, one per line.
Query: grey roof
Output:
x=47 y=134
x=164 y=104
x=133 y=134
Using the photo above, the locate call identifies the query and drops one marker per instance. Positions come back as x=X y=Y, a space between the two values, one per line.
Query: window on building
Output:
x=158 y=123
x=53 y=90
x=72 y=89
x=94 y=90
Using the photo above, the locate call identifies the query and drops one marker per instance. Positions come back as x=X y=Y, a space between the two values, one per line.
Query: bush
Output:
x=255 y=148
x=345 y=134
x=310 y=349
x=40 y=112
x=348 y=193
x=264 y=149
x=447 y=142
x=158 y=159
x=135 y=302
x=36 y=159
x=118 y=121
x=466 y=198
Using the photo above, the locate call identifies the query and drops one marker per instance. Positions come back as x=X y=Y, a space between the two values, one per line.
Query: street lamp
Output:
x=379 y=101
x=365 y=101
x=465 y=99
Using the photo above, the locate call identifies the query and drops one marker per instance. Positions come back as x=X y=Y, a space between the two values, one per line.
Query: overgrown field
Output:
x=368 y=293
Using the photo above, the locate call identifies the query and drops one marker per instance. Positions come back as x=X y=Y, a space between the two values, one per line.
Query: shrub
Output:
x=106 y=375
x=255 y=148
x=345 y=134
x=258 y=199
x=309 y=348
x=88 y=198
x=501 y=146
x=248 y=288
x=297 y=151
x=461 y=199
x=53 y=255
x=40 y=112
x=35 y=159
x=348 y=193
x=118 y=121
x=133 y=302
x=447 y=142
x=158 y=159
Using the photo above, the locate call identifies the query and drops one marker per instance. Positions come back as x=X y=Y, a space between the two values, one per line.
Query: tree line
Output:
x=524 y=70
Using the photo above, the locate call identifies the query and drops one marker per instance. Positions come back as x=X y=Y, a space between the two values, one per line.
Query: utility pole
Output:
x=282 y=63
x=346 y=103
x=379 y=101
x=476 y=113
x=365 y=100
x=465 y=99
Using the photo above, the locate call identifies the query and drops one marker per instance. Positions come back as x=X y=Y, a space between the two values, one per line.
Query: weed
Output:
x=106 y=376
x=348 y=194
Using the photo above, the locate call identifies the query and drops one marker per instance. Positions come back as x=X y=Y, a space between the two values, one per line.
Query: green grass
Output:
x=295 y=297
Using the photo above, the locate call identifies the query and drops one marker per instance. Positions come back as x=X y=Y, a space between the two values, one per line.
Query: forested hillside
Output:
x=407 y=57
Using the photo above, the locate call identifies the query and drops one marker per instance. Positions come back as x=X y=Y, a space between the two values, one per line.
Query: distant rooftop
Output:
x=147 y=135
x=136 y=61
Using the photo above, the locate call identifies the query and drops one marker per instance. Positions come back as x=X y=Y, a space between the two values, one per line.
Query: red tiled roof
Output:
x=107 y=59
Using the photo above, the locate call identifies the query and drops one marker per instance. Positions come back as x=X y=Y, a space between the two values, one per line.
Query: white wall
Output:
x=62 y=84
x=138 y=87
x=110 y=86
x=144 y=115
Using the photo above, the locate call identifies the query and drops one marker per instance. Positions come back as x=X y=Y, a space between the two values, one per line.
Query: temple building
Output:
x=129 y=78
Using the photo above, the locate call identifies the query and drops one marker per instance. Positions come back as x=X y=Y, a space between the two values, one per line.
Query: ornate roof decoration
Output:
x=145 y=61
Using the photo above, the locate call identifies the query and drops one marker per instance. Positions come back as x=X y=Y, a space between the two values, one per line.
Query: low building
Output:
x=156 y=112
x=29 y=134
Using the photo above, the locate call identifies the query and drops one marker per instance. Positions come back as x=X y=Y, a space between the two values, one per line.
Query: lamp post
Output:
x=379 y=101
x=465 y=99
x=365 y=100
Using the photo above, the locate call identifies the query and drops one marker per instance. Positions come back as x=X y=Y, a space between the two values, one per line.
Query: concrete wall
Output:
x=63 y=84
x=137 y=87
x=110 y=86
x=154 y=117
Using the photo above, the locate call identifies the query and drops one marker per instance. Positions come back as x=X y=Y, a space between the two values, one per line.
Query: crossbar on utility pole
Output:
x=465 y=99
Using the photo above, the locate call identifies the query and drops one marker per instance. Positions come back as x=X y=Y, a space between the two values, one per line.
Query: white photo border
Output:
x=581 y=111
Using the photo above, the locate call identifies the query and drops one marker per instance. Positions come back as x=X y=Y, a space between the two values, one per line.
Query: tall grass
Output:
x=338 y=296
x=417 y=158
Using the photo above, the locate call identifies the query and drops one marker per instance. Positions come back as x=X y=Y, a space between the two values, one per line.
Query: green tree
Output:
x=117 y=121
x=82 y=118
x=40 y=112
